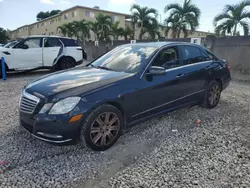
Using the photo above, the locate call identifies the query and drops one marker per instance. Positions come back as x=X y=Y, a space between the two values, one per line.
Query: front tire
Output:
x=102 y=128
x=212 y=95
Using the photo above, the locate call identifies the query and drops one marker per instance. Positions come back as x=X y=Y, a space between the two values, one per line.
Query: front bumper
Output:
x=54 y=129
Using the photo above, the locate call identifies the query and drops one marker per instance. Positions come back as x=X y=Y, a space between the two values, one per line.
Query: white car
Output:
x=36 y=52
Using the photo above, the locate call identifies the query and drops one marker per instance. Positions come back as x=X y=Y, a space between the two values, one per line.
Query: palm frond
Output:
x=245 y=27
x=245 y=15
x=173 y=6
x=194 y=10
x=221 y=17
x=225 y=27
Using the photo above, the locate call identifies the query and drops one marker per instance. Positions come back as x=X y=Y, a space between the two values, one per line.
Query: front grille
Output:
x=28 y=103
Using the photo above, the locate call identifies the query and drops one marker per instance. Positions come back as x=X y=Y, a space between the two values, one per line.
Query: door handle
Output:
x=180 y=75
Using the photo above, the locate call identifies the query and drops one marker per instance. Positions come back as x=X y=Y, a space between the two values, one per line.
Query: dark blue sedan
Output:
x=123 y=87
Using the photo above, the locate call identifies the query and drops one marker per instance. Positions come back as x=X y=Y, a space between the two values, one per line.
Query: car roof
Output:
x=161 y=44
x=54 y=36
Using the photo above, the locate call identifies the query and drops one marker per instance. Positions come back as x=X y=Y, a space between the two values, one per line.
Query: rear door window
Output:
x=192 y=54
x=52 y=42
x=69 y=42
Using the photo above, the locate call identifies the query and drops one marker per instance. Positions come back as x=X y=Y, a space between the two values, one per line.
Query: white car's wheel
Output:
x=66 y=63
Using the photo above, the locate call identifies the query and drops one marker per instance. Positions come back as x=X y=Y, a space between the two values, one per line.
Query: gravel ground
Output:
x=215 y=153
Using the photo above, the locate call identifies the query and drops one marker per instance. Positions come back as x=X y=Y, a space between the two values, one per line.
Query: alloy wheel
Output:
x=214 y=95
x=104 y=129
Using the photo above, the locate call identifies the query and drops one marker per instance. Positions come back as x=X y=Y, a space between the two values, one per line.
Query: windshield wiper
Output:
x=92 y=65
x=104 y=68
x=101 y=67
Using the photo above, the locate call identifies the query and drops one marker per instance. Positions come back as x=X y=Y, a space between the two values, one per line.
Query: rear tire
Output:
x=66 y=63
x=102 y=128
x=212 y=95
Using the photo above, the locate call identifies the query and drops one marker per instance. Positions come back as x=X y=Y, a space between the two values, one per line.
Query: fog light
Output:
x=75 y=118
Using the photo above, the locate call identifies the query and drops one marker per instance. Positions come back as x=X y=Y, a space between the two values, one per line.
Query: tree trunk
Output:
x=179 y=33
x=235 y=29
x=140 y=35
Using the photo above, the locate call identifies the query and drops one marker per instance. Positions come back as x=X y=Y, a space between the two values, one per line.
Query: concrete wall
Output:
x=236 y=50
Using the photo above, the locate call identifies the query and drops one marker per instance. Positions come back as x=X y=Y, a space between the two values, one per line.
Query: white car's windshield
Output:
x=10 y=44
x=127 y=58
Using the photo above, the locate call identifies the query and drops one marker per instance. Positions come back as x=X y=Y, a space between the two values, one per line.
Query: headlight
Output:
x=45 y=108
x=63 y=106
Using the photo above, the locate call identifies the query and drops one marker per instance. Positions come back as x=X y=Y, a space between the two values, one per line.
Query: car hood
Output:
x=74 y=82
x=2 y=49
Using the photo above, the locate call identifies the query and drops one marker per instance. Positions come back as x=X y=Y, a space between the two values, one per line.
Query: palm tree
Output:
x=79 y=29
x=232 y=17
x=94 y=28
x=116 y=31
x=71 y=29
x=153 y=29
x=103 y=24
x=172 y=24
x=83 y=30
x=63 y=29
x=128 y=33
x=142 y=15
x=176 y=27
x=75 y=28
x=187 y=16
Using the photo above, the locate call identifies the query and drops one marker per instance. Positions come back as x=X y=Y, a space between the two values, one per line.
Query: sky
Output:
x=16 y=13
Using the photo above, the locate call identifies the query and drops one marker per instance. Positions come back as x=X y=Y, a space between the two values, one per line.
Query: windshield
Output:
x=125 y=58
x=9 y=45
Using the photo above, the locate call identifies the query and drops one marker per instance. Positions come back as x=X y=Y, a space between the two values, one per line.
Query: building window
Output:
x=87 y=13
x=66 y=16
x=92 y=14
x=42 y=24
x=51 y=22
x=59 y=19
x=115 y=18
x=74 y=14
x=51 y=33
x=37 y=26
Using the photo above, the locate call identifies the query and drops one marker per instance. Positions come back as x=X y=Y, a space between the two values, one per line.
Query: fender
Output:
x=60 y=56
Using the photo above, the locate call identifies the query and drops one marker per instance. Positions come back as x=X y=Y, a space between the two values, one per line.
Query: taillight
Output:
x=228 y=67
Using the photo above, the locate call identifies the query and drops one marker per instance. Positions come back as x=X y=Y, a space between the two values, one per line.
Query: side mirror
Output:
x=24 y=46
x=156 y=71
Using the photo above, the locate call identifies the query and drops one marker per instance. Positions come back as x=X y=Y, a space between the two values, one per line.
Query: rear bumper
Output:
x=226 y=81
